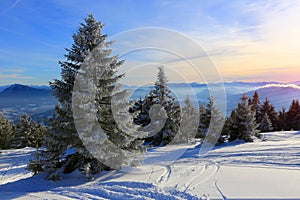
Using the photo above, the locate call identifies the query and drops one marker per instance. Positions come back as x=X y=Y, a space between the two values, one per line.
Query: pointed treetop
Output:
x=244 y=99
x=161 y=77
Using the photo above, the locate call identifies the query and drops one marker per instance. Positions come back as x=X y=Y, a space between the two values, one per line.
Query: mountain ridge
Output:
x=32 y=98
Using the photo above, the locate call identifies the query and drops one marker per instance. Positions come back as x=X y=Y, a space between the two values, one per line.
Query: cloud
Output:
x=247 y=40
x=13 y=70
x=282 y=85
x=14 y=76
x=145 y=49
x=262 y=38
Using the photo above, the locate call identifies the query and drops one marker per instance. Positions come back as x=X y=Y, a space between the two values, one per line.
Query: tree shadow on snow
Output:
x=34 y=184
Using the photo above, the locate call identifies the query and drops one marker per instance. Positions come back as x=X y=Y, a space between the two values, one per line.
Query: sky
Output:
x=196 y=41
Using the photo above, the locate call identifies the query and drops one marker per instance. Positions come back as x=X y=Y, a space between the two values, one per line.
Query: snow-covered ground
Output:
x=268 y=169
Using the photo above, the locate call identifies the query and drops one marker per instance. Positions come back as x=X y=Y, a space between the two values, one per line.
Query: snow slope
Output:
x=238 y=170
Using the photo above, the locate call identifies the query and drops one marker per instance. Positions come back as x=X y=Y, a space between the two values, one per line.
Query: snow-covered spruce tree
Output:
x=282 y=120
x=28 y=133
x=188 y=124
x=24 y=130
x=227 y=127
x=255 y=106
x=63 y=134
x=65 y=150
x=242 y=121
x=293 y=116
x=203 y=122
x=214 y=122
x=38 y=132
x=269 y=109
x=7 y=132
x=101 y=112
x=162 y=96
x=230 y=126
x=36 y=139
x=266 y=124
x=115 y=119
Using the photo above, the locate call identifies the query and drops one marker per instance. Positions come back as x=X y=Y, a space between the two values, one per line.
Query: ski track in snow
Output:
x=220 y=191
x=190 y=176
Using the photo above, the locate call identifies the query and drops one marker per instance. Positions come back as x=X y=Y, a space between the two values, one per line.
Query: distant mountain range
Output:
x=36 y=101
x=3 y=87
x=22 y=95
x=39 y=102
x=280 y=94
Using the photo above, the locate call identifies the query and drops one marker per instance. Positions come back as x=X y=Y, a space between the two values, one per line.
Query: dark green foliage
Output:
x=269 y=109
x=36 y=139
x=38 y=134
x=293 y=116
x=142 y=107
x=242 y=124
x=266 y=124
x=63 y=135
x=7 y=131
x=211 y=122
x=256 y=106
x=25 y=134
x=227 y=127
x=282 y=120
x=160 y=95
x=28 y=133
x=24 y=130
x=214 y=133
x=188 y=124
x=35 y=165
x=203 y=122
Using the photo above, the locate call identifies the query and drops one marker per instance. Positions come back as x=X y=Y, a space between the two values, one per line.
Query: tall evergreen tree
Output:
x=63 y=134
x=243 y=123
x=227 y=127
x=7 y=132
x=38 y=132
x=24 y=130
x=269 y=109
x=282 y=120
x=230 y=126
x=36 y=140
x=188 y=124
x=266 y=124
x=255 y=106
x=203 y=121
x=162 y=96
x=215 y=122
x=293 y=116
x=28 y=133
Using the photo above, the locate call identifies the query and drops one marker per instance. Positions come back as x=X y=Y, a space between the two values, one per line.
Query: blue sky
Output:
x=246 y=40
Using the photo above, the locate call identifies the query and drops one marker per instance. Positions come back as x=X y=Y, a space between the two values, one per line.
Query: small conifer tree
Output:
x=7 y=132
x=243 y=123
